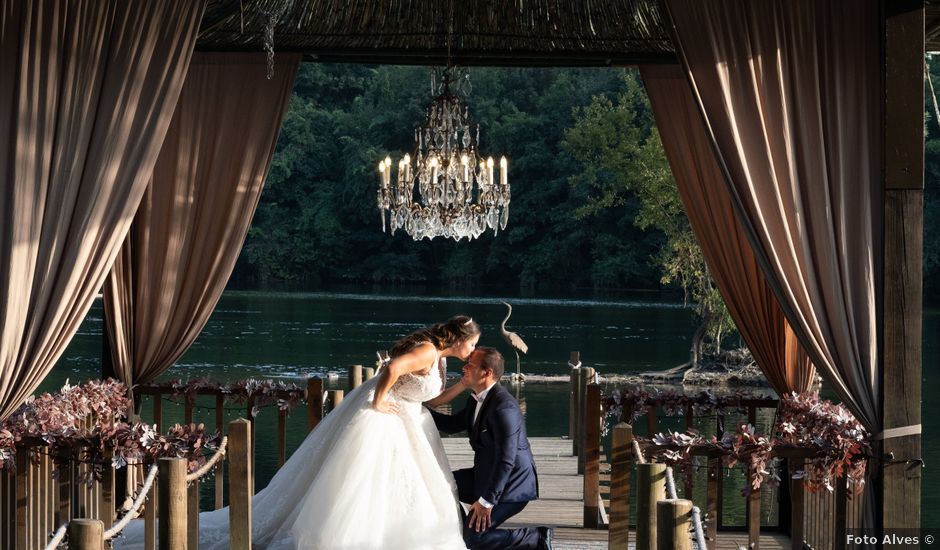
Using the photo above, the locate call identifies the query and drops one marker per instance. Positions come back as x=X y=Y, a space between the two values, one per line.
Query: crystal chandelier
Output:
x=457 y=194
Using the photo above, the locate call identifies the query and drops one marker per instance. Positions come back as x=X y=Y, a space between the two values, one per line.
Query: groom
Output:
x=503 y=478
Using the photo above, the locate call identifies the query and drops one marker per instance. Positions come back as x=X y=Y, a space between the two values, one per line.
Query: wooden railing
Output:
x=816 y=520
x=33 y=503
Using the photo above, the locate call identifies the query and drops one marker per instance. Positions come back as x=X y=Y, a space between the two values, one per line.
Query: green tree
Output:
x=625 y=167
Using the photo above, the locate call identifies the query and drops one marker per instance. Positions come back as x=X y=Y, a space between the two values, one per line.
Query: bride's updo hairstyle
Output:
x=457 y=329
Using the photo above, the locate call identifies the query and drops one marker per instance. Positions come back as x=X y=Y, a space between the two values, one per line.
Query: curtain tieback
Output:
x=890 y=433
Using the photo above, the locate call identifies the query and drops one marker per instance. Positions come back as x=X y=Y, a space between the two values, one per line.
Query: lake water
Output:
x=294 y=335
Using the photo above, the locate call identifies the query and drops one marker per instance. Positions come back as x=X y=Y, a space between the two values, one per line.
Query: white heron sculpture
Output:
x=514 y=340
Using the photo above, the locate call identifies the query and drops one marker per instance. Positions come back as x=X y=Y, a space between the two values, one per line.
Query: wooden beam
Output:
x=902 y=262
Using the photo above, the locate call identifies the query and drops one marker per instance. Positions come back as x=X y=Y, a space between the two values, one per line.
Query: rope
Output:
x=638 y=452
x=135 y=509
x=209 y=465
x=572 y=365
x=57 y=537
x=696 y=513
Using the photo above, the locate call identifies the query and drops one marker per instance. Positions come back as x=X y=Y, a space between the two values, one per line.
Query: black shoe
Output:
x=545 y=538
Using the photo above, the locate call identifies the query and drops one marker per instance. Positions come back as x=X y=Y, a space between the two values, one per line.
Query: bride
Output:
x=373 y=474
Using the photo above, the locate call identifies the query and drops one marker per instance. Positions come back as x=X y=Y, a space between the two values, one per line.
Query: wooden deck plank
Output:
x=561 y=506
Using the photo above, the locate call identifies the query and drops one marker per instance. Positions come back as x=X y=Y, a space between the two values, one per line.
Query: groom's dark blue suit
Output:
x=503 y=470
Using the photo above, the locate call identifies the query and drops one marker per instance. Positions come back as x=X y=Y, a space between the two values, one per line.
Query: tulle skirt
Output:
x=362 y=480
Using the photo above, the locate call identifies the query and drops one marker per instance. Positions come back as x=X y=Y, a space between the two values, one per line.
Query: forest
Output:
x=593 y=203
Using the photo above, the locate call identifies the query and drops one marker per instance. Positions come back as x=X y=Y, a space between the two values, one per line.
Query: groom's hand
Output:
x=479 y=517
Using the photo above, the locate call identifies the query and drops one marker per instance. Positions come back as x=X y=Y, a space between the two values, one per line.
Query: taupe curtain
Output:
x=790 y=94
x=725 y=247
x=194 y=217
x=87 y=90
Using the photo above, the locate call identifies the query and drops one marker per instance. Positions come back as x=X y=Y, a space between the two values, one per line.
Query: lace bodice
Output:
x=417 y=388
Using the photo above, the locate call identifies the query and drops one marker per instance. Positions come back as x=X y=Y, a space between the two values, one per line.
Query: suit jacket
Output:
x=503 y=468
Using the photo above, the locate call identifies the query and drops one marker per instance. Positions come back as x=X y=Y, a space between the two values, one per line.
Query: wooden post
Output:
x=712 y=503
x=64 y=509
x=22 y=497
x=368 y=373
x=592 y=455
x=281 y=437
x=355 y=377
x=86 y=534
x=192 y=510
x=172 y=524
x=107 y=505
x=752 y=513
x=239 y=477
x=314 y=402
x=674 y=518
x=797 y=517
x=335 y=398
x=219 y=427
x=158 y=411
x=650 y=489
x=251 y=449
x=902 y=253
x=841 y=503
x=651 y=421
x=573 y=402
x=188 y=409
x=585 y=377
x=150 y=518
x=621 y=466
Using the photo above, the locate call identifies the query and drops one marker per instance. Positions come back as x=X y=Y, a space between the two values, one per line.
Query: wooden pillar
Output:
x=281 y=437
x=355 y=377
x=674 y=518
x=841 y=505
x=585 y=377
x=752 y=513
x=650 y=489
x=192 y=512
x=150 y=518
x=573 y=402
x=158 y=411
x=314 y=402
x=172 y=524
x=107 y=504
x=86 y=534
x=592 y=456
x=368 y=373
x=219 y=478
x=903 y=48
x=335 y=398
x=239 y=478
x=621 y=466
x=712 y=503
x=797 y=515
x=23 y=471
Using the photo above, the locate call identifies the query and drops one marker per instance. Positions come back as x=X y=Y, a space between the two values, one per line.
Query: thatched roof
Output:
x=495 y=32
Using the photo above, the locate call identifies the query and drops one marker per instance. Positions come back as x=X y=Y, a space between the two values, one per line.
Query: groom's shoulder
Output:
x=504 y=399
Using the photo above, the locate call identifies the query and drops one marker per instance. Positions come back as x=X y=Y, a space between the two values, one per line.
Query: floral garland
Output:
x=260 y=392
x=86 y=421
x=634 y=400
x=840 y=445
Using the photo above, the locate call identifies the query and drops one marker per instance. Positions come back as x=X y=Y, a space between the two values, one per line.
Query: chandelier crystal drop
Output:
x=447 y=189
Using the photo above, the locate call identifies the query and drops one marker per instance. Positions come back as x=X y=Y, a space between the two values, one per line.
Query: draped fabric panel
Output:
x=725 y=246
x=87 y=91
x=790 y=94
x=195 y=215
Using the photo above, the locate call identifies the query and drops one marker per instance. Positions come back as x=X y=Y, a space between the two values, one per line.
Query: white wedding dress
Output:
x=361 y=480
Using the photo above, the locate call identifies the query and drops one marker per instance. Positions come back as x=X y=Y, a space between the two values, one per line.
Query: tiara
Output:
x=468 y=321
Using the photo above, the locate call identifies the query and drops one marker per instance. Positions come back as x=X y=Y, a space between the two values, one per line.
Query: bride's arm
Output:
x=413 y=361
x=447 y=395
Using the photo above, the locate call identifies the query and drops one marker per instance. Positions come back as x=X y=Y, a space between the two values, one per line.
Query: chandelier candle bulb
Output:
x=444 y=194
